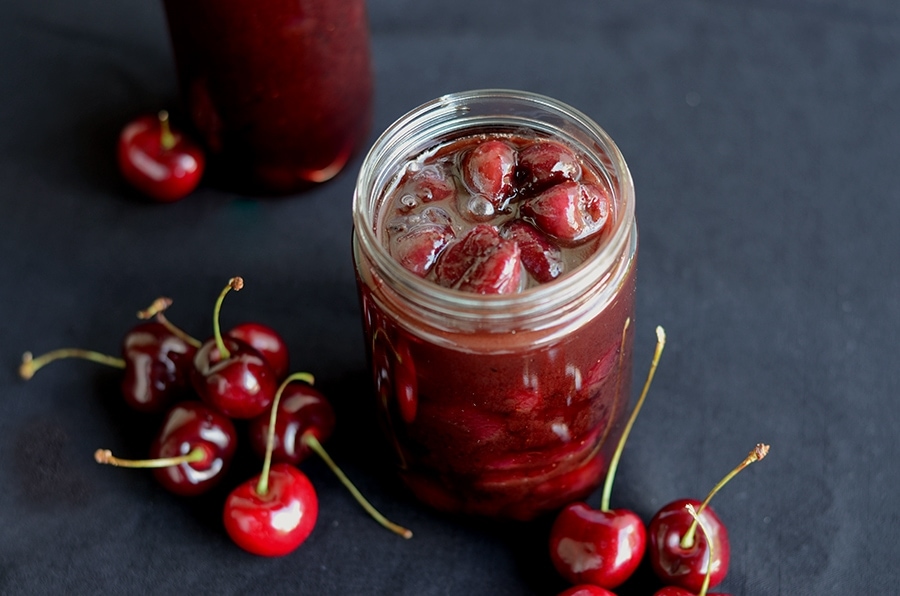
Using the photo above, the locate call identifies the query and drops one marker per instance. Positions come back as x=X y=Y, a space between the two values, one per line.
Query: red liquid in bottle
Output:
x=280 y=91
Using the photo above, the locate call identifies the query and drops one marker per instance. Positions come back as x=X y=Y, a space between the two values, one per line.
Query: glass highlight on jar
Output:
x=501 y=399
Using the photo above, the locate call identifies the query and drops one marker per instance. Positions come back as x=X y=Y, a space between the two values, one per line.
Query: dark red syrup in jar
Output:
x=280 y=91
x=510 y=422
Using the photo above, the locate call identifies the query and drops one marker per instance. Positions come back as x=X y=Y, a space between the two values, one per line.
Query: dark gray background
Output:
x=763 y=137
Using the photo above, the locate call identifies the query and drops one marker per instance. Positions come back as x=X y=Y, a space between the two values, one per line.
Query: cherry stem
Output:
x=105 y=456
x=166 y=138
x=758 y=453
x=31 y=365
x=709 y=548
x=313 y=443
x=156 y=310
x=235 y=283
x=262 y=487
x=614 y=462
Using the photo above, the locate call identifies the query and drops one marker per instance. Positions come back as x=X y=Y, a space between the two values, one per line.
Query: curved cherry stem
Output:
x=313 y=443
x=166 y=138
x=709 y=548
x=31 y=365
x=235 y=283
x=614 y=462
x=105 y=456
x=156 y=310
x=262 y=486
x=758 y=453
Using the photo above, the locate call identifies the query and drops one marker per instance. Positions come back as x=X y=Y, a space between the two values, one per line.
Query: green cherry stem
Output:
x=166 y=138
x=262 y=487
x=709 y=547
x=614 y=462
x=235 y=283
x=313 y=443
x=31 y=365
x=105 y=456
x=758 y=453
x=156 y=310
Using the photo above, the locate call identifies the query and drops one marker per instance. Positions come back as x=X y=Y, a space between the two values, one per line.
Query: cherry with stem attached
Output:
x=603 y=547
x=273 y=513
x=677 y=555
x=679 y=591
x=231 y=375
x=191 y=452
x=304 y=419
x=155 y=360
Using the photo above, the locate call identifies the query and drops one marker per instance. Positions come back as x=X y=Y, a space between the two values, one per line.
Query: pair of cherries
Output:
x=236 y=376
x=598 y=550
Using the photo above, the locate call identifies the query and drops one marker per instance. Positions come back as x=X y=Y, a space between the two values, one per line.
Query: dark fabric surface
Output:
x=764 y=140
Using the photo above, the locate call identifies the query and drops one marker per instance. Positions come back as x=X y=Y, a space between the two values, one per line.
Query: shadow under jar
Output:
x=279 y=91
x=507 y=404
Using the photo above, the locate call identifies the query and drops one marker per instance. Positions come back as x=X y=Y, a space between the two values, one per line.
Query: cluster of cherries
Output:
x=239 y=375
x=598 y=550
x=161 y=162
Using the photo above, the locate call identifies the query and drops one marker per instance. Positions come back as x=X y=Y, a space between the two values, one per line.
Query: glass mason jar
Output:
x=279 y=91
x=499 y=405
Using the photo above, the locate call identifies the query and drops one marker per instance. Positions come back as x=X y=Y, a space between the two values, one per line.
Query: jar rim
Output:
x=454 y=112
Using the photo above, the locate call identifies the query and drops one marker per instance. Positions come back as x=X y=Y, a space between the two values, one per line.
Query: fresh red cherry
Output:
x=267 y=342
x=679 y=591
x=155 y=363
x=570 y=211
x=272 y=514
x=489 y=171
x=231 y=375
x=482 y=262
x=546 y=163
x=298 y=421
x=603 y=547
x=159 y=161
x=678 y=555
x=586 y=590
x=191 y=452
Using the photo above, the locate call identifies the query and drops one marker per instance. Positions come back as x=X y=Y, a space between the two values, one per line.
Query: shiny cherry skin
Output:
x=591 y=546
x=190 y=425
x=686 y=567
x=240 y=385
x=157 y=160
x=277 y=522
x=268 y=342
x=302 y=409
x=586 y=590
x=157 y=367
x=676 y=591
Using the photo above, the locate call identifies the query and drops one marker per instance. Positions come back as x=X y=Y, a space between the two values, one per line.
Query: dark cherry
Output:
x=191 y=452
x=570 y=211
x=681 y=557
x=541 y=257
x=267 y=342
x=603 y=547
x=545 y=163
x=155 y=363
x=418 y=248
x=299 y=419
x=231 y=375
x=489 y=170
x=586 y=590
x=161 y=162
x=302 y=409
x=482 y=262
x=679 y=591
